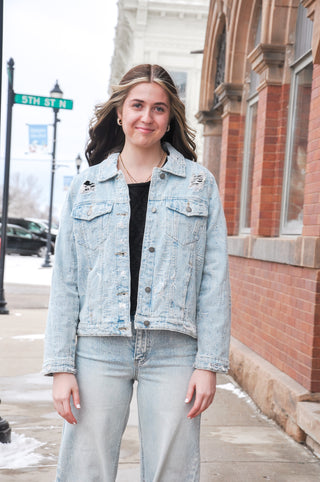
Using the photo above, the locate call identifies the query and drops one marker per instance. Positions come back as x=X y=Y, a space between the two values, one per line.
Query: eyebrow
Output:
x=142 y=101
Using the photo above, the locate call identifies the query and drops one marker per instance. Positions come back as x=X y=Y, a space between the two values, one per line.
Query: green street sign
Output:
x=39 y=101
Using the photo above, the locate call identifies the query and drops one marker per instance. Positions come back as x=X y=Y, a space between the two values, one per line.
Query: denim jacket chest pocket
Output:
x=91 y=222
x=186 y=219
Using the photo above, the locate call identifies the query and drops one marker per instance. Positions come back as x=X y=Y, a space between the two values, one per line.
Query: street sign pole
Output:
x=55 y=103
x=47 y=262
x=5 y=198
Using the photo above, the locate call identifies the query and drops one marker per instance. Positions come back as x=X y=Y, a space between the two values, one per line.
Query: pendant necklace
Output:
x=160 y=164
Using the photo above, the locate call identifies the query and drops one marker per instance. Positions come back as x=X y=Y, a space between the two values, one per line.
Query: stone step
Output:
x=308 y=419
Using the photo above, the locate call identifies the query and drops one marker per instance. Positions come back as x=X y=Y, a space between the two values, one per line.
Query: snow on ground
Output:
x=23 y=451
x=23 y=446
x=26 y=270
x=232 y=388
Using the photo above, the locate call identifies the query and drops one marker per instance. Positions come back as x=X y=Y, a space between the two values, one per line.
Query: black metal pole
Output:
x=47 y=263
x=1 y=48
x=5 y=198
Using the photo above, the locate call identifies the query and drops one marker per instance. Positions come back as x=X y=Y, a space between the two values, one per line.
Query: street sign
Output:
x=39 y=101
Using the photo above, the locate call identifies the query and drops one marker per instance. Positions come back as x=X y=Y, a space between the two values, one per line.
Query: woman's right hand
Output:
x=65 y=385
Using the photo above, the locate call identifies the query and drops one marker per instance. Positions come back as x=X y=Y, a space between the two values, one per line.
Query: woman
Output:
x=140 y=289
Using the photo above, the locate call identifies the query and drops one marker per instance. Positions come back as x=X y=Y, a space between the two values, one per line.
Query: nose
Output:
x=147 y=116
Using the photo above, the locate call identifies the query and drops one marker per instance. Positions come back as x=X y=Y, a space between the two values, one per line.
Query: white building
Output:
x=168 y=33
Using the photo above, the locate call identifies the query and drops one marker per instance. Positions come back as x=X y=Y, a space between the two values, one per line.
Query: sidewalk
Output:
x=238 y=443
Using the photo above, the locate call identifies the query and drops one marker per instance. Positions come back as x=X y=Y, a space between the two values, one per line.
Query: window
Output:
x=221 y=63
x=180 y=79
x=248 y=162
x=249 y=143
x=22 y=233
x=298 y=123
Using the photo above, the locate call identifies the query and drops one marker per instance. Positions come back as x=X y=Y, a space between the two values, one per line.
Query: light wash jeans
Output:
x=162 y=364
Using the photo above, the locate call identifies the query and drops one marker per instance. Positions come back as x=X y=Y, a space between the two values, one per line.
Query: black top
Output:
x=138 y=204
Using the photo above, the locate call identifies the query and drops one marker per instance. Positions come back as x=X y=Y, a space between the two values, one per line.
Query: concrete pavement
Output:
x=238 y=443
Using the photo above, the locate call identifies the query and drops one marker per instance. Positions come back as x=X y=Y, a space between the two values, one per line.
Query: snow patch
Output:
x=20 y=452
x=231 y=388
x=27 y=270
x=28 y=337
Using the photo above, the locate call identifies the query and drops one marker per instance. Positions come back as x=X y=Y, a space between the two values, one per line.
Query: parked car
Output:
x=35 y=226
x=21 y=241
x=54 y=226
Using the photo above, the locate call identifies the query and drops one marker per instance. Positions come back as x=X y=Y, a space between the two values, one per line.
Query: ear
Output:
x=119 y=113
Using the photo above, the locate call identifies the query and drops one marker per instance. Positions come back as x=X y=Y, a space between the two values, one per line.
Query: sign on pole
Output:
x=38 y=138
x=40 y=101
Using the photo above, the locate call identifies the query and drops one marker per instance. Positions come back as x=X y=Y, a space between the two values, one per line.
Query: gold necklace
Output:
x=160 y=164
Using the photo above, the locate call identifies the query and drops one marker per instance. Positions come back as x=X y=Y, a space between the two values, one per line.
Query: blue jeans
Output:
x=162 y=364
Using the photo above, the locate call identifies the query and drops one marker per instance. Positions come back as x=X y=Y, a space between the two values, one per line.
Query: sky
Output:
x=70 y=41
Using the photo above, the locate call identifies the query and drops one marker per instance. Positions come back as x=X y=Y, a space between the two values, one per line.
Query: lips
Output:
x=144 y=129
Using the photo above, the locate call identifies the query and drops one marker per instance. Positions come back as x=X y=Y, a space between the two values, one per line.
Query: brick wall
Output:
x=269 y=157
x=231 y=168
x=274 y=307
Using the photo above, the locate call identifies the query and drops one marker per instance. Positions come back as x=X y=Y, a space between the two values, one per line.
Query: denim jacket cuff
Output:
x=205 y=362
x=58 y=366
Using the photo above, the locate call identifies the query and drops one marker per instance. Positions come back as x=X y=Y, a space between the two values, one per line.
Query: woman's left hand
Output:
x=203 y=382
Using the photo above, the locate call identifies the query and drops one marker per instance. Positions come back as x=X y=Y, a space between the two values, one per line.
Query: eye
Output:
x=137 y=105
x=158 y=108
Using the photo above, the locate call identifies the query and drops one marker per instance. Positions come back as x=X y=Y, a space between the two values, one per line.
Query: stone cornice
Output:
x=265 y=56
x=209 y=116
x=229 y=96
x=267 y=61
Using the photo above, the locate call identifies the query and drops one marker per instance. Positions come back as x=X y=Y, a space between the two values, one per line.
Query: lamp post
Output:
x=78 y=163
x=57 y=93
x=5 y=196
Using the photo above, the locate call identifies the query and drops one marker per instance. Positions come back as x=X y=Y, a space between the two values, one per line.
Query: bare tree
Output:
x=24 y=195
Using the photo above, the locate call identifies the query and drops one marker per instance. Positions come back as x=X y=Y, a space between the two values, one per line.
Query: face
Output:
x=145 y=115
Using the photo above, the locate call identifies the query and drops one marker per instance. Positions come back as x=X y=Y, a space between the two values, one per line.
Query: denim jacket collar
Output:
x=175 y=164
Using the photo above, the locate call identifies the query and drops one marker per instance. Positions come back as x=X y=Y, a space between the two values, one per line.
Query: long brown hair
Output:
x=106 y=136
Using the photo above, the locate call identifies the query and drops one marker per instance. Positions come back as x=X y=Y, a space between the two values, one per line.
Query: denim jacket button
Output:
x=151 y=249
x=147 y=289
x=188 y=209
x=146 y=323
x=154 y=210
x=162 y=175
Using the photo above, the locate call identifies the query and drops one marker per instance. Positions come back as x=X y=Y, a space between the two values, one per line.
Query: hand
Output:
x=65 y=385
x=203 y=382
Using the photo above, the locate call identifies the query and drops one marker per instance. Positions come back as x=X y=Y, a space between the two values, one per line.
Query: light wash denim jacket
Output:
x=183 y=281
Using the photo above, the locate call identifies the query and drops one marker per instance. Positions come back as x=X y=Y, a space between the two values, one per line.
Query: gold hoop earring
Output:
x=119 y=122
x=168 y=128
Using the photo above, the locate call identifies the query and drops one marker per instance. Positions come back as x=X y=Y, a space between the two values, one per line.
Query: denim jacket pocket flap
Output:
x=185 y=219
x=188 y=207
x=91 y=223
x=87 y=212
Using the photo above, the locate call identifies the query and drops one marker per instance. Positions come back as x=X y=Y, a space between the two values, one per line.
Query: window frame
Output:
x=297 y=67
x=253 y=100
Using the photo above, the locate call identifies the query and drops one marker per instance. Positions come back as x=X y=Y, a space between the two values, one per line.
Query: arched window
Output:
x=221 y=63
x=298 y=123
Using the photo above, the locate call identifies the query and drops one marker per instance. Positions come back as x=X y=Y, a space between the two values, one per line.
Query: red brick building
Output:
x=260 y=106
